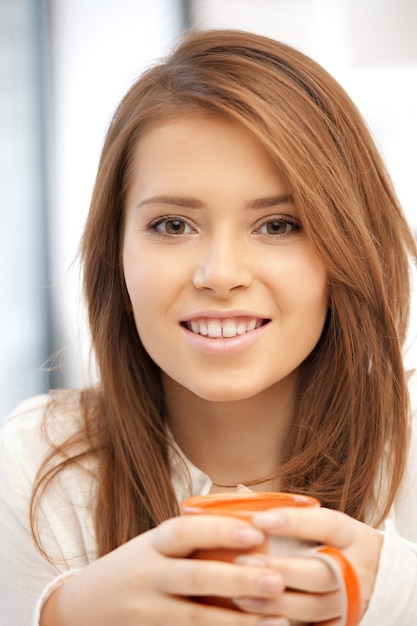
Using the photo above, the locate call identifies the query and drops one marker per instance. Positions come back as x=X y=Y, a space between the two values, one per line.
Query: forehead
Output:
x=199 y=138
x=205 y=157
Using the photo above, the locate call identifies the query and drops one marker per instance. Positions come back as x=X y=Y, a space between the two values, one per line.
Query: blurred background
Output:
x=65 y=64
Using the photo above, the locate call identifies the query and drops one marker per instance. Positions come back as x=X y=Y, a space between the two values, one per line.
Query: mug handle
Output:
x=347 y=579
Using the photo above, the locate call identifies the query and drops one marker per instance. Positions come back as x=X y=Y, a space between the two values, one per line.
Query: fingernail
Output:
x=248 y=536
x=271 y=583
x=270 y=519
x=251 y=560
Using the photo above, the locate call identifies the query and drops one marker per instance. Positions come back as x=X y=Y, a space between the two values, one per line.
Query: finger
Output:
x=315 y=524
x=306 y=607
x=165 y=611
x=303 y=574
x=295 y=606
x=194 y=577
x=180 y=536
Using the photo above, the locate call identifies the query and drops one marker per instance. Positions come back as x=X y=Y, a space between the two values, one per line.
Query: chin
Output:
x=224 y=394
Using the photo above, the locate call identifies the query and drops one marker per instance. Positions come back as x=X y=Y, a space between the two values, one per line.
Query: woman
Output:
x=246 y=269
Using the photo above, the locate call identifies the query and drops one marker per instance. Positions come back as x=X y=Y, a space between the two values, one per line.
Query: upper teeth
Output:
x=223 y=328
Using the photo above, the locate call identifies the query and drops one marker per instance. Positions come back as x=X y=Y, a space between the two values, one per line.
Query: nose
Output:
x=223 y=266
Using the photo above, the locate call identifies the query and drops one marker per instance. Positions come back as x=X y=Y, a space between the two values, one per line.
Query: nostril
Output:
x=222 y=276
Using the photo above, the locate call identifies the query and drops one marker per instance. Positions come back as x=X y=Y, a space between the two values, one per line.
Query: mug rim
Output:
x=231 y=502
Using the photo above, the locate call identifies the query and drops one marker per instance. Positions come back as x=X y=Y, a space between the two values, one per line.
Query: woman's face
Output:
x=227 y=292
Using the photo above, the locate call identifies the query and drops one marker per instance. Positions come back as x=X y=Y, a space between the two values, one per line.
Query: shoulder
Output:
x=32 y=440
x=26 y=415
x=24 y=438
x=404 y=511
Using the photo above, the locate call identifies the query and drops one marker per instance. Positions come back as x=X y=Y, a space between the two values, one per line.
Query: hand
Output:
x=312 y=594
x=149 y=580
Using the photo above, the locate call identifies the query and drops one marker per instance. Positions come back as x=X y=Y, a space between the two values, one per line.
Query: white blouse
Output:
x=67 y=530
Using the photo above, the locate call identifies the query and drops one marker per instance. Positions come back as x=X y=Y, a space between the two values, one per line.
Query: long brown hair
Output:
x=352 y=409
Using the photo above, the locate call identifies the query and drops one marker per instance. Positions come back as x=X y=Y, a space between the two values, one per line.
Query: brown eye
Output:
x=171 y=226
x=277 y=227
x=174 y=227
x=280 y=227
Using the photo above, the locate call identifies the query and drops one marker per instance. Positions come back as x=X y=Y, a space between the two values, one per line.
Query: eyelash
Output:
x=294 y=225
x=153 y=226
x=291 y=222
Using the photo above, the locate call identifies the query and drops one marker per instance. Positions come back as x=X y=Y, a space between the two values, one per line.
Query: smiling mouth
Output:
x=223 y=328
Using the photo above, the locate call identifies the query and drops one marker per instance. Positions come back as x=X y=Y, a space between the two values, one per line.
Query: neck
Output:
x=235 y=442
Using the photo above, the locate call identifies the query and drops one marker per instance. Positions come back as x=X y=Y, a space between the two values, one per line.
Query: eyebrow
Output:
x=186 y=202
x=194 y=203
x=268 y=202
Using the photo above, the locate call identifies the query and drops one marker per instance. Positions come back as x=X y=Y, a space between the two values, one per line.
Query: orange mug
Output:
x=244 y=505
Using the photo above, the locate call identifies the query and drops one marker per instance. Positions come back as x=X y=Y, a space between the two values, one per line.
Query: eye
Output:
x=171 y=226
x=279 y=226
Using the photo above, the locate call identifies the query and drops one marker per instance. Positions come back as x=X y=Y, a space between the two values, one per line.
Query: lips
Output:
x=229 y=327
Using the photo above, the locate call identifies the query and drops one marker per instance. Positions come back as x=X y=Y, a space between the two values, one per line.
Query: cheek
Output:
x=138 y=280
x=151 y=288
x=140 y=267
x=317 y=301
x=307 y=285
x=315 y=287
x=142 y=291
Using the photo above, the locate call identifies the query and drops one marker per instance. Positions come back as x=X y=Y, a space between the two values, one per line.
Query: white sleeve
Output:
x=65 y=527
x=23 y=572
x=394 y=599
x=47 y=592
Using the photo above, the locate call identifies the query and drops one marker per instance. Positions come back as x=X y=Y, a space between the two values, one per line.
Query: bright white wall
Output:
x=98 y=48
x=23 y=310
